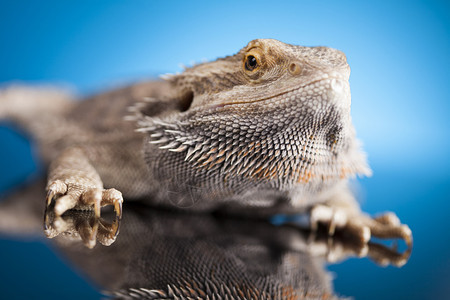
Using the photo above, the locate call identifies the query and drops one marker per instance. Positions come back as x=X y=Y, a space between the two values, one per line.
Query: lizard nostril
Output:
x=294 y=68
x=185 y=101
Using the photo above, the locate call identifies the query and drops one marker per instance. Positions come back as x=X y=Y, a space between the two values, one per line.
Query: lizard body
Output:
x=267 y=130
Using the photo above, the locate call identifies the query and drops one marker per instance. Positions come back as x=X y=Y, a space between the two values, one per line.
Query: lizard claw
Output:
x=57 y=187
x=382 y=229
x=68 y=196
x=113 y=197
x=360 y=226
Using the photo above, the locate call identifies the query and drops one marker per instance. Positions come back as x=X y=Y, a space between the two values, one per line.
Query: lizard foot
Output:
x=69 y=196
x=81 y=225
x=360 y=226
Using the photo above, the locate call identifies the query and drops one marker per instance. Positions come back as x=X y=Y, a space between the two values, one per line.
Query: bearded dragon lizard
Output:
x=267 y=130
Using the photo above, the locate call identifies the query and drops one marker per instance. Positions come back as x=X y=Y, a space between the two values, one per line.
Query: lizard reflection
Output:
x=164 y=255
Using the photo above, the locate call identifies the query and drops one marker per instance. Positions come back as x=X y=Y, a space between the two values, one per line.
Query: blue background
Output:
x=399 y=52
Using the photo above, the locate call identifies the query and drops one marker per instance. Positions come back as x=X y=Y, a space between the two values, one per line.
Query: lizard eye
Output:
x=251 y=63
x=294 y=68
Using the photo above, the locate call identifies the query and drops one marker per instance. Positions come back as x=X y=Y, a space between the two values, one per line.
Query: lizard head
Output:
x=262 y=70
x=273 y=113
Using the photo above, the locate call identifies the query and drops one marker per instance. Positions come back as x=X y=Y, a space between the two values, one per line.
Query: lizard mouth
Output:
x=335 y=84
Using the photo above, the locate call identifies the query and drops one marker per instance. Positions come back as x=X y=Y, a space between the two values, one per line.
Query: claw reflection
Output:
x=81 y=225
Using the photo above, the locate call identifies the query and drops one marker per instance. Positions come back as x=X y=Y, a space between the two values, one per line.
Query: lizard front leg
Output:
x=75 y=184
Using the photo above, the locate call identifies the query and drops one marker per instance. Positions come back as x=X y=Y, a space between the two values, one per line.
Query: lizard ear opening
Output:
x=185 y=101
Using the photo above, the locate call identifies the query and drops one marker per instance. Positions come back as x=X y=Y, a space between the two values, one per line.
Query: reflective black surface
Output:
x=155 y=253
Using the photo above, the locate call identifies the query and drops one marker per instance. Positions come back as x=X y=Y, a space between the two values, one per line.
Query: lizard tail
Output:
x=23 y=104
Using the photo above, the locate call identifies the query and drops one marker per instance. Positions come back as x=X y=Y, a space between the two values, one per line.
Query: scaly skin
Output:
x=281 y=131
x=265 y=131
